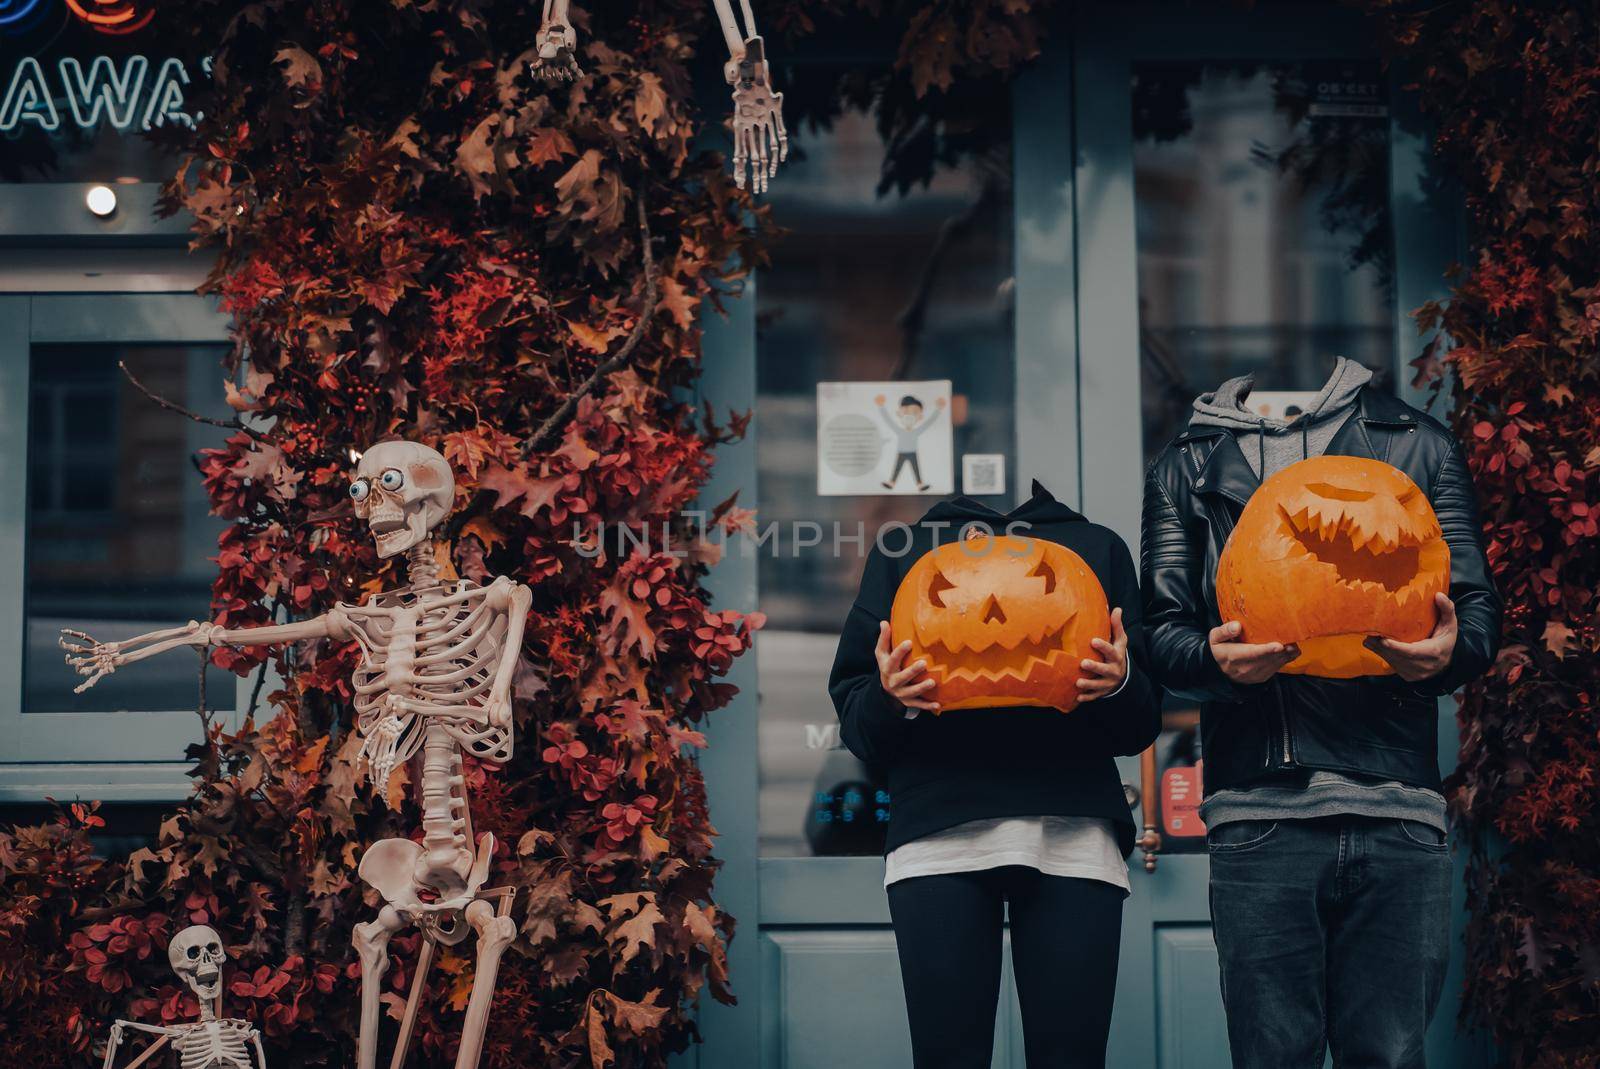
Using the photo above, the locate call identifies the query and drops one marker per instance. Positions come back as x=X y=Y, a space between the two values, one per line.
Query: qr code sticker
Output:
x=983 y=473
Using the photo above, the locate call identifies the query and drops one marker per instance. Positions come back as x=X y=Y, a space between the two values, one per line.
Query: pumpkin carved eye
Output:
x=939 y=585
x=1047 y=573
x=1339 y=493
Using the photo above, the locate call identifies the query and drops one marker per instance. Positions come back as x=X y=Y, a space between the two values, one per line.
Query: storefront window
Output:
x=888 y=286
x=1264 y=246
x=120 y=539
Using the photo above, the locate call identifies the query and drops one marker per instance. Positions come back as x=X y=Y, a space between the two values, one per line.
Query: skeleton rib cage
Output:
x=429 y=655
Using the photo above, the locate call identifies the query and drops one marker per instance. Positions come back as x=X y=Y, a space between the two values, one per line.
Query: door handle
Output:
x=1150 y=841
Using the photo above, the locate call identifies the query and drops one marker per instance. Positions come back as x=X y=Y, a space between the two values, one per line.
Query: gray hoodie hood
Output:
x=1314 y=429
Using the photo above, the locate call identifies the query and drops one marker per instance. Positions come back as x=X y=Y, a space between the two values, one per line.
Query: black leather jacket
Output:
x=1376 y=725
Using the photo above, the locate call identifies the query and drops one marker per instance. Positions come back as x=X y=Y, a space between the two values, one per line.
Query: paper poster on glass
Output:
x=884 y=438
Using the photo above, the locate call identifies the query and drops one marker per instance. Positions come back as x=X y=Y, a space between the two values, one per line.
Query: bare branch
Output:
x=551 y=428
x=234 y=424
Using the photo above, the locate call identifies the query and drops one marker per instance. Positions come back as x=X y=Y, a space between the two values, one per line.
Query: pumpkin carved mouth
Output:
x=1360 y=557
x=975 y=665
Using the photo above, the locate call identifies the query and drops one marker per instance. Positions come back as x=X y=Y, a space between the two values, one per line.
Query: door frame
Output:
x=117 y=756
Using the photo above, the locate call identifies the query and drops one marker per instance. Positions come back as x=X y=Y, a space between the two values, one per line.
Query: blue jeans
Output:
x=1331 y=932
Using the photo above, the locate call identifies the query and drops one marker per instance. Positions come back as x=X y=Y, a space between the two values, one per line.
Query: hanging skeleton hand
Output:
x=760 y=140
x=557 y=44
x=96 y=660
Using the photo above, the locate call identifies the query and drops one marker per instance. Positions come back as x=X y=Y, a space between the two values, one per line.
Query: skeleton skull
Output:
x=196 y=954
x=403 y=490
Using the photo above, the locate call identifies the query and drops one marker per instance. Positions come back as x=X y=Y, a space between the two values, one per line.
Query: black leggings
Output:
x=1064 y=939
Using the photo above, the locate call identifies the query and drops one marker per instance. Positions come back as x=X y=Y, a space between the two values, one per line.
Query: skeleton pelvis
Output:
x=403 y=872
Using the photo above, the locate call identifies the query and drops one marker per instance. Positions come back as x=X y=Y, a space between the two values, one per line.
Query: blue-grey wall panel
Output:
x=1192 y=1031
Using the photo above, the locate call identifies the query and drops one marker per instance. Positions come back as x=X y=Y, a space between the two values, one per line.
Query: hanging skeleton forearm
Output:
x=760 y=140
x=557 y=43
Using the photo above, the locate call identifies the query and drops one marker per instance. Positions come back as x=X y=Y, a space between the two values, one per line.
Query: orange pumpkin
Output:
x=1001 y=620
x=1329 y=551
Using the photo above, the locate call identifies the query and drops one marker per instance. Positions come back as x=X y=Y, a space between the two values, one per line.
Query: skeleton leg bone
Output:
x=496 y=929
x=419 y=981
x=372 y=945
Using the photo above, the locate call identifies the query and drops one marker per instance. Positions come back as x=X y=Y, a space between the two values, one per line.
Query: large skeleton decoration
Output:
x=434 y=681
x=212 y=1042
x=760 y=140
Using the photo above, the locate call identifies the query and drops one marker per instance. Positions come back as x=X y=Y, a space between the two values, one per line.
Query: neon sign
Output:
x=114 y=17
x=124 y=94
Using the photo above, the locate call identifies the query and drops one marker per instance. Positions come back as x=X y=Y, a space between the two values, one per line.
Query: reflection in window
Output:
x=119 y=535
x=1264 y=237
x=1264 y=246
x=877 y=279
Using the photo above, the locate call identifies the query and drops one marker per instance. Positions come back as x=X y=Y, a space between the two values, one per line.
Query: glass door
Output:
x=1250 y=198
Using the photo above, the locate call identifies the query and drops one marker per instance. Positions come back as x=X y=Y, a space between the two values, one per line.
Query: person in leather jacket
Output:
x=1330 y=869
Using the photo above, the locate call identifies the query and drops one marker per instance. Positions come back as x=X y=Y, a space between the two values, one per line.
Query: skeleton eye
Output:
x=213 y=949
x=391 y=479
x=193 y=952
x=359 y=490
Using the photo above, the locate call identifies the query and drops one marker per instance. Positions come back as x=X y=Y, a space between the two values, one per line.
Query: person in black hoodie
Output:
x=994 y=808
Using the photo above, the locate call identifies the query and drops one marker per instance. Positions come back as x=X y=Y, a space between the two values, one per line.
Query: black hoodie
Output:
x=970 y=764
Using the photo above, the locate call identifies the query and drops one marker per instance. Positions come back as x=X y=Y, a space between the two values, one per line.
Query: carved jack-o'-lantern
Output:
x=1001 y=620
x=1329 y=551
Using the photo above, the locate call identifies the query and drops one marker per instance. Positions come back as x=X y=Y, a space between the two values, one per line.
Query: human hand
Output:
x=906 y=684
x=1248 y=662
x=1105 y=676
x=1416 y=661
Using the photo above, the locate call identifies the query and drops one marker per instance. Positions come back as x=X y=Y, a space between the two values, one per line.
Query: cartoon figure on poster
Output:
x=907 y=425
x=885 y=438
x=433 y=683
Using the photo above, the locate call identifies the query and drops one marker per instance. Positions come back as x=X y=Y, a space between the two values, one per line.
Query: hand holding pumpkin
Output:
x=1248 y=662
x=1416 y=661
x=1104 y=677
x=905 y=683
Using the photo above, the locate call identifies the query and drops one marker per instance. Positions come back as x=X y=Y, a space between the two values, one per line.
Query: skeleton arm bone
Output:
x=96 y=660
x=115 y=1041
x=500 y=697
x=731 y=33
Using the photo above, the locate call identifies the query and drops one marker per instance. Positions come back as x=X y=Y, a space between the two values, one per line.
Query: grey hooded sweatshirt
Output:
x=1270 y=445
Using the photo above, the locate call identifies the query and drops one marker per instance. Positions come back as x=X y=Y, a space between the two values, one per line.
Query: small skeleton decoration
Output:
x=434 y=680
x=211 y=1042
x=759 y=137
x=557 y=45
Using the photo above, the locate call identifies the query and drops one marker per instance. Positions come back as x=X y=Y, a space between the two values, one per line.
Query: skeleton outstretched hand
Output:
x=95 y=660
